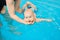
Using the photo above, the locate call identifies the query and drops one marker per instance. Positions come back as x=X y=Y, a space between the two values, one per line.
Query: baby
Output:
x=29 y=15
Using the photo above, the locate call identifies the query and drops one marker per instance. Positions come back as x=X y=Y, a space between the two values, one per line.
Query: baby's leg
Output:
x=17 y=6
x=42 y=19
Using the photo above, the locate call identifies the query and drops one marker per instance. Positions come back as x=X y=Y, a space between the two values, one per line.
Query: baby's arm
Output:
x=29 y=3
x=24 y=6
x=32 y=5
x=42 y=19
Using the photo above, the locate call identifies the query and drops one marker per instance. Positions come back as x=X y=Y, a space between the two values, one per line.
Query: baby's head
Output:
x=29 y=16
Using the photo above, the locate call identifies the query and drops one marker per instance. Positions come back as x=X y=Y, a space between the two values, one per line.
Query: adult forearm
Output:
x=10 y=6
x=11 y=11
x=17 y=18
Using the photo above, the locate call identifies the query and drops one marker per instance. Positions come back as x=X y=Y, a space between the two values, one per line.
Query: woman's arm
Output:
x=11 y=10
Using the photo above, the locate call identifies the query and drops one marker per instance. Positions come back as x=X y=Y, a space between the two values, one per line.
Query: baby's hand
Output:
x=28 y=2
x=26 y=22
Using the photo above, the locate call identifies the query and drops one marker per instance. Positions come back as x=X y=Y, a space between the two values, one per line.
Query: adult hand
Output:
x=26 y=22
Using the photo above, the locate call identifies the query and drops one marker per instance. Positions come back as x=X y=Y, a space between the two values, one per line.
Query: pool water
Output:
x=13 y=30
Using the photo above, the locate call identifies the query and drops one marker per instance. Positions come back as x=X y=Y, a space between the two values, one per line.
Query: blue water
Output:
x=13 y=30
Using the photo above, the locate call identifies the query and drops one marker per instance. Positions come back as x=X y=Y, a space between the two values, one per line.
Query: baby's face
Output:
x=29 y=17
